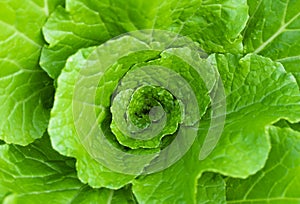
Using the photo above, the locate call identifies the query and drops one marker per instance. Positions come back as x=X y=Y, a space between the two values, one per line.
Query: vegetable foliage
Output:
x=149 y=101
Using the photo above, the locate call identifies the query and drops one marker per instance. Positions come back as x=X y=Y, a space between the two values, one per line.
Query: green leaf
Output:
x=217 y=25
x=287 y=124
x=62 y=128
x=87 y=23
x=141 y=103
x=259 y=92
x=88 y=195
x=66 y=33
x=142 y=113
x=25 y=90
x=211 y=189
x=124 y=195
x=37 y=174
x=3 y=193
x=64 y=135
x=297 y=76
x=274 y=31
x=251 y=83
x=278 y=182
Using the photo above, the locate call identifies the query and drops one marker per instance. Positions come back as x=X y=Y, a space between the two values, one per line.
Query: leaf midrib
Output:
x=276 y=34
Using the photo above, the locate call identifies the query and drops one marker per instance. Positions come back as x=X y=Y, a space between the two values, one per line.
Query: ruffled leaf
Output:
x=25 y=90
x=36 y=173
x=87 y=23
x=278 y=181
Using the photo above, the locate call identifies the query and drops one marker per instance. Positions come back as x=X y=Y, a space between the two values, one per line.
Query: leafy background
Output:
x=254 y=45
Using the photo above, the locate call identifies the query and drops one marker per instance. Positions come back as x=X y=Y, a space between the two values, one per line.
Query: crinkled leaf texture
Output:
x=252 y=104
x=211 y=189
x=62 y=124
x=87 y=23
x=278 y=181
x=38 y=174
x=259 y=92
x=274 y=31
x=260 y=161
x=25 y=90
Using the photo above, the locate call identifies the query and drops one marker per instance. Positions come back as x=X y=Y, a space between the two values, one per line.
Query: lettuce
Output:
x=259 y=188
x=149 y=102
x=26 y=91
x=36 y=173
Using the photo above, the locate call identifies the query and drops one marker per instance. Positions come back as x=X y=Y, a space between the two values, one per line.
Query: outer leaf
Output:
x=217 y=25
x=211 y=189
x=259 y=92
x=124 y=195
x=63 y=132
x=25 y=90
x=279 y=180
x=38 y=174
x=274 y=31
x=85 y=23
